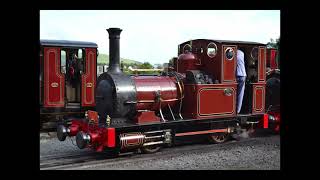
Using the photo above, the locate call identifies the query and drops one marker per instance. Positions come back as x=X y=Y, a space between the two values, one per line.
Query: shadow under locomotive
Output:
x=196 y=97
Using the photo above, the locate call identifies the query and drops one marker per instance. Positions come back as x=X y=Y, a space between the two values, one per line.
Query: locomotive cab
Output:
x=214 y=64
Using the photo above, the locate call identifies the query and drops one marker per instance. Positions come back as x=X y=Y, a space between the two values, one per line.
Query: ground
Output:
x=258 y=153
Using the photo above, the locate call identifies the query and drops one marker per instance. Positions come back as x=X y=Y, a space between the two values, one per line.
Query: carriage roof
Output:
x=66 y=43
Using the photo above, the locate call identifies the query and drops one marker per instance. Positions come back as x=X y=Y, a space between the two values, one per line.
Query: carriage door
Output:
x=54 y=80
x=88 y=80
x=229 y=64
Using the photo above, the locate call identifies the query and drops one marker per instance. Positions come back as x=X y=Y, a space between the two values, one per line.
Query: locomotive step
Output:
x=72 y=105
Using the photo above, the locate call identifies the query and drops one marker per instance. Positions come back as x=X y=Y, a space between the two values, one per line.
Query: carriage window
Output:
x=63 y=61
x=80 y=53
x=212 y=50
x=229 y=53
x=82 y=60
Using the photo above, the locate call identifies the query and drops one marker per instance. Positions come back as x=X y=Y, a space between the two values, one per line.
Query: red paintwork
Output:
x=54 y=80
x=262 y=64
x=229 y=66
x=209 y=101
x=265 y=121
x=147 y=86
x=95 y=137
x=258 y=98
x=76 y=126
x=93 y=116
x=146 y=117
x=88 y=81
x=100 y=137
x=271 y=58
x=111 y=141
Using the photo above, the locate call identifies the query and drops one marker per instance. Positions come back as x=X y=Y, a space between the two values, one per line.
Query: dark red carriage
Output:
x=67 y=82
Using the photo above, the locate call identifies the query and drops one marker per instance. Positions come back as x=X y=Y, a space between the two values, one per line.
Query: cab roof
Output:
x=228 y=41
x=66 y=43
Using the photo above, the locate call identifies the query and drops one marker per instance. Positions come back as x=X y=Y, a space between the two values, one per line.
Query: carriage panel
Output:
x=54 y=80
x=88 y=81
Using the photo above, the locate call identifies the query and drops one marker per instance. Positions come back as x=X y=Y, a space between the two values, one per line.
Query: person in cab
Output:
x=241 y=78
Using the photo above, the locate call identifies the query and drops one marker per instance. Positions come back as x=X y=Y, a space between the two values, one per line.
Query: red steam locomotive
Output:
x=197 y=96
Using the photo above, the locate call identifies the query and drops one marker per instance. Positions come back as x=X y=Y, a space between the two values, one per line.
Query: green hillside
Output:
x=104 y=59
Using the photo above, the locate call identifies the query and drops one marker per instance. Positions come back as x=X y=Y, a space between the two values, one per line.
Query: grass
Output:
x=104 y=59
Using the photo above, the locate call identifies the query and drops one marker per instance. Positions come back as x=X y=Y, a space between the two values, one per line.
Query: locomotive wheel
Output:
x=150 y=149
x=219 y=138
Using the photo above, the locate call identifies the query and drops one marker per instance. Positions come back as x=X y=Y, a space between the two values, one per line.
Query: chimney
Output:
x=114 y=50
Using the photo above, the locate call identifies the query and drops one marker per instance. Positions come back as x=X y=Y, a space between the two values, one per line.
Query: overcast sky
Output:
x=154 y=36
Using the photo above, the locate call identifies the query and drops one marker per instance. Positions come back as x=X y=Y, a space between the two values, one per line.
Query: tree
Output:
x=158 y=66
x=145 y=65
x=122 y=66
x=274 y=43
x=171 y=61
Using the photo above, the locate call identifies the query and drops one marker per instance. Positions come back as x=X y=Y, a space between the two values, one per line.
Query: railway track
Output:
x=89 y=159
x=69 y=160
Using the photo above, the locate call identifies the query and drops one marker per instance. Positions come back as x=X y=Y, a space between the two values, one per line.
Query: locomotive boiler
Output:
x=197 y=97
x=133 y=98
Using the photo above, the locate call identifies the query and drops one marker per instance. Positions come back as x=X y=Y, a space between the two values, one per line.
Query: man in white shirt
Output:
x=241 y=78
